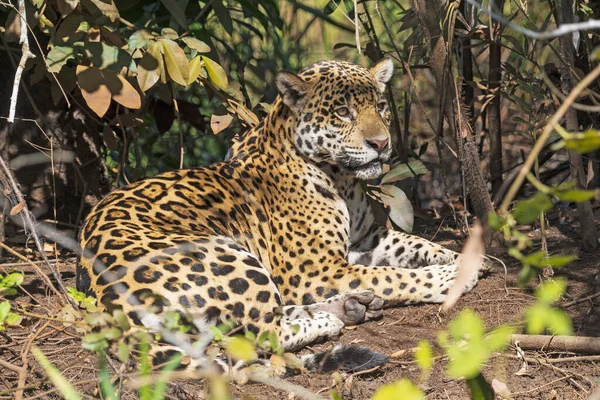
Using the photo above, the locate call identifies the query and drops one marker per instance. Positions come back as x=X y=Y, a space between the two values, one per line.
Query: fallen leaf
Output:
x=501 y=389
x=401 y=209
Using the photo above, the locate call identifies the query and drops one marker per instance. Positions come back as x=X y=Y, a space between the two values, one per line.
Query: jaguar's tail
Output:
x=346 y=358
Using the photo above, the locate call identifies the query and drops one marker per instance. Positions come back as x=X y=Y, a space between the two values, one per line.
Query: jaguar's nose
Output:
x=379 y=145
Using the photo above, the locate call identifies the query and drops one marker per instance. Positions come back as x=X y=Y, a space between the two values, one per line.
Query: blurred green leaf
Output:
x=550 y=291
x=480 y=389
x=400 y=390
x=527 y=211
x=424 y=355
x=583 y=142
x=61 y=383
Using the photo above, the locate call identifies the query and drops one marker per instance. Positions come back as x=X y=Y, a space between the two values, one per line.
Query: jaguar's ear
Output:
x=383 y=72
x=292 y=89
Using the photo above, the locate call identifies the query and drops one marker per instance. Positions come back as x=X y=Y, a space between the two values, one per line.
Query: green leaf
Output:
x=467 y=324
x=583 y=142
x=576 y=196
x=495 y=222
x=195 y=69
x=403 y=171
x=400 y=390
x=559 y=323
x=58 y=56
x=13 y=319
x=560 y=261
x=104 y=56
x=176 y=62
x=140 y=39
x=111 y=333
x=196 y=44
x=108 y=390
x=536 y=259
x=122 y=352
x=527 y=211
x=216 y=73
x=14 y=279
x=176 y=11
x=94 y=342
x=480 y=389
x=550 y=291
x=61 y=383
x=4 y=310
x=498 y=339
x=121 y=320
x=424 y=355
x=241 y=348
x=525 y=275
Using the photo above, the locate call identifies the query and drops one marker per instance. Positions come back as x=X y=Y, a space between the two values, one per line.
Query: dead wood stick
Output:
x=581 y=300
x=573 y=344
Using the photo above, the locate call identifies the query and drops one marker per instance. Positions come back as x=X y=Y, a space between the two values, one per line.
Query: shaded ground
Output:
x=401 y=328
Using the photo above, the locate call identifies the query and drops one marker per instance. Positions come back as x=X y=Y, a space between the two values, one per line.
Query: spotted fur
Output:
x=279 y=237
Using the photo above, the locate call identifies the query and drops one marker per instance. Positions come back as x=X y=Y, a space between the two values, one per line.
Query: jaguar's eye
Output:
x=381 y=106
x=343 y=112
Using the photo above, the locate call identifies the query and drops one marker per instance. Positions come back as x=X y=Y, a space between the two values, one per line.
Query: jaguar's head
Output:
x=342 y=115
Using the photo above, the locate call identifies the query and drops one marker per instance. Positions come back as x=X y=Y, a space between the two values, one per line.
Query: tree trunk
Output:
x=585 y=213
x=494 y=126
x=427 y=11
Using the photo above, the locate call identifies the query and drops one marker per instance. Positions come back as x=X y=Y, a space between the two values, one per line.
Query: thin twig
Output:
x=30 y=224
x=37 y=268
x=548 y=129
x=562 y=30
x=582 y=300
x=25 y=55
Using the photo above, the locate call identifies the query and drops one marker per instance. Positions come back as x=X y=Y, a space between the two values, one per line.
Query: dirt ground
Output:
x=497 y=299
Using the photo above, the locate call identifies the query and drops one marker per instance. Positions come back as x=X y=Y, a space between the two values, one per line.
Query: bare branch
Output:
x=26 y=54
x=562 y=30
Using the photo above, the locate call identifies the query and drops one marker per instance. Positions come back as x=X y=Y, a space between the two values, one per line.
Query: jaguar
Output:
x=279 y=237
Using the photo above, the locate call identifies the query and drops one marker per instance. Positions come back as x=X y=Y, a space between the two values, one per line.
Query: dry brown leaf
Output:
x=244 y=113
x=18 y=208
x=122 y=91
x=93 y=88
x=220 y=122
x=471 y=259
x=501 y=389
x=150 y=67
